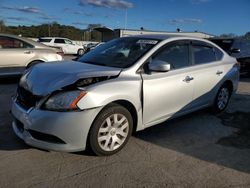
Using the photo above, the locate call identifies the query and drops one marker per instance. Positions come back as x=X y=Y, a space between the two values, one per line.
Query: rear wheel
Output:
x=222 y=98
x=80 y=52
x=111 y=130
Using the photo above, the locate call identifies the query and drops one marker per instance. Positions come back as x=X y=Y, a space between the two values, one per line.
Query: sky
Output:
x=210 y=16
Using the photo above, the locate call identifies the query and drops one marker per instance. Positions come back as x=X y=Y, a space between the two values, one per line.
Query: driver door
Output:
x=166 y=94
x=72 y=49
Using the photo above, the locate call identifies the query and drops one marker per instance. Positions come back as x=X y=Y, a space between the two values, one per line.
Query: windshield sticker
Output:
x=147 y=42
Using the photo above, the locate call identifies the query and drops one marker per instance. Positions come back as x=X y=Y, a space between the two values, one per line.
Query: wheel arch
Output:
x=229 y=83
x=33 y=61
x=131 y=108
x=124 y=103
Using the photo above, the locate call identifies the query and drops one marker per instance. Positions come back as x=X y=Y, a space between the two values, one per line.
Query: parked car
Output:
x=19 y=53
x=67 y=45
x=92 y=46
x=122 y=86
x=238 y=48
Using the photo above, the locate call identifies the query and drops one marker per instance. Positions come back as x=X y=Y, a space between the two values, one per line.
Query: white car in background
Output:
x=67 y=45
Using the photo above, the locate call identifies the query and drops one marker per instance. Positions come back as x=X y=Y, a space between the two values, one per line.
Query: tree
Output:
x=92 y=26
x=2 y=26
x=247 y=36
x=228 y=35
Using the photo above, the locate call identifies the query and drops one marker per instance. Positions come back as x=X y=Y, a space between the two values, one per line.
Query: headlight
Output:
x=64 y=101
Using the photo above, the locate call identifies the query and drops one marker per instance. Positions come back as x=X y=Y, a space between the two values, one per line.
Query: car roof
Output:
x=30 y=41
x=167 y=36
x=53 y=38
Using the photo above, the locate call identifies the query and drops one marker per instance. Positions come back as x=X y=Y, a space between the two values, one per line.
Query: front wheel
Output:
x=111 y=130
x=222 y=99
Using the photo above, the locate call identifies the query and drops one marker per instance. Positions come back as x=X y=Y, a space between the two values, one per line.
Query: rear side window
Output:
x=177 y=55
x=203 y=54
x=8 y=42
x=60 y=41
x=44 y=40
x=219 y=54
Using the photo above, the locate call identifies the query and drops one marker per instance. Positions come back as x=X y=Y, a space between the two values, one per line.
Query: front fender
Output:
x=104 y=93
x=107 y=92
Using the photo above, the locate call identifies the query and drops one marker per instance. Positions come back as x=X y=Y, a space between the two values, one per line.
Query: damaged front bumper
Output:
x=59 y=131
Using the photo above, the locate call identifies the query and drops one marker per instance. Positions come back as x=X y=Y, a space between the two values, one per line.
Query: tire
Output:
x=33 y=63
x=111 y=130
x=222 y=99
x=80 y=52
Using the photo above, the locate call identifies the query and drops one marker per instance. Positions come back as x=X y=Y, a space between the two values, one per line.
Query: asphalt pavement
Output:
x=197 y=150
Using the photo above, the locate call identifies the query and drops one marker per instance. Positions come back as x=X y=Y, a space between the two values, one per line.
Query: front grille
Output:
x=26 y=99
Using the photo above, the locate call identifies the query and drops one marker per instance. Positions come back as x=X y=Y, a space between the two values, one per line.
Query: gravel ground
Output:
x=197 y=150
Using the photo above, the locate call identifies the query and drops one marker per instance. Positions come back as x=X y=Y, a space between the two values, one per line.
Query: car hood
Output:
x=45 y=78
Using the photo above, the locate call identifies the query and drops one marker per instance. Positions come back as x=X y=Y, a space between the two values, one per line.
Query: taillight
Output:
x=237 y=64
x=60 y=53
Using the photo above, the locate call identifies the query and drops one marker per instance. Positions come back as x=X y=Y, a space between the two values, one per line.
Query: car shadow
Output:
x=9 y=80
x=245 y=78
x=223 y=139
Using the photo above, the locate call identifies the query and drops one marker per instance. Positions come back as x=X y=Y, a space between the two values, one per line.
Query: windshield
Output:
x=121 y=53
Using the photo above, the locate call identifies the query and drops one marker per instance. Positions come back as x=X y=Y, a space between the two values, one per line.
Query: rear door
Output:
x=15 y=54
x=166 y=94
x=208 y=72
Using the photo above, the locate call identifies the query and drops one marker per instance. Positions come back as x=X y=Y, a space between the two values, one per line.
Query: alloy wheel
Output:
x=113 y=132
x=223 y=98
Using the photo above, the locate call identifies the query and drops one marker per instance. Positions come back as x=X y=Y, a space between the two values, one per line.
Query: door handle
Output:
x=219 y=72
x=188 y=79
x=27 y=52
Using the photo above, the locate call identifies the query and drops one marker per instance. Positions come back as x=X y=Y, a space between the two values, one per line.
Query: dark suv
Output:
x=238 y=48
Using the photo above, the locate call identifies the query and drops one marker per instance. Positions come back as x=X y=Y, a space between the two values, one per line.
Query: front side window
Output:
x=203 y=54
x=8 y=42
x=68 y=41
x=121 y=53
x=177 y=55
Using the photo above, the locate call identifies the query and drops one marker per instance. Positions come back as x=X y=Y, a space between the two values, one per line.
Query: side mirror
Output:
x=159 y=66
x=235 y=50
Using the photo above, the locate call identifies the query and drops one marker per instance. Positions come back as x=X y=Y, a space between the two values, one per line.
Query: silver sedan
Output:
x=19 y=53
x=125 y=85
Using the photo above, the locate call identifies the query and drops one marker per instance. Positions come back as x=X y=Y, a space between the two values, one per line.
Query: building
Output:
x=108 y=34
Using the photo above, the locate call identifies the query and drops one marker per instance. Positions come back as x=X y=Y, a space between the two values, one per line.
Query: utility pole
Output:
x=49 y=28
x=126 y=18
